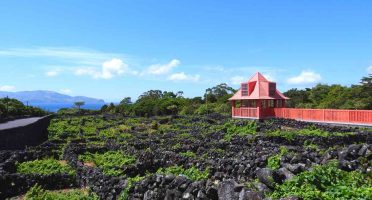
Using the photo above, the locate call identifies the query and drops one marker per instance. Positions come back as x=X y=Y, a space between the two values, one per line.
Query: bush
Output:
x=310 y=131
x=14 y=108
x=192 y=173
x=232 y=129
x=223 y=108
x=44 y=167
x=205 y=109
x=273 y=162
x=189 y=109
x=110 y=162
x=37 y=193
x=189 y=154
x=131 y=181
x=326 y=182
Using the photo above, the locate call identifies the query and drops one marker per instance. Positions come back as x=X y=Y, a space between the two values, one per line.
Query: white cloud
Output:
x=369 y=70
x=75 y=55
x=7 y=88
x=65 y=91
x=85 y=71
x=113 y=67
x=159 y=69
x=184 y=77
x=237 y=80
x=109 y=69
x=305 y=77
x=53 y=72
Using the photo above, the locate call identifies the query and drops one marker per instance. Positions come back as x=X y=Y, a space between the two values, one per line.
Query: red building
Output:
x=256 y=98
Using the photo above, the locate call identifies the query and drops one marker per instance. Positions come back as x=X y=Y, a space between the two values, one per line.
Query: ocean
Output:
x=55 y=106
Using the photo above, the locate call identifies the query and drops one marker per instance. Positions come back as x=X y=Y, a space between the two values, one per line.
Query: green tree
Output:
x=126 y=101
x=298 y=98
x=335 y=98
x=219 y=93
x=318 y=94
x=79 y=104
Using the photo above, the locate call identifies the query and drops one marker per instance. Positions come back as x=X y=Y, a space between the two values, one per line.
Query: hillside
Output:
x=48 y=97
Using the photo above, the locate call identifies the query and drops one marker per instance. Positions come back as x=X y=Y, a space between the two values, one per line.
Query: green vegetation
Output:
x=326 y=182
x=310 y=131
x=75 y=127
x=37 y=193
x=247 y=128
x=12 y=108
x=45 y=167
x=116 y=132
x=214 y=100
x=192 y=173
x=333 y=96
x=131 y=181
x=189 y=154
x=156 y=102
x=78 y=104
x=110 y=162
x=273 y=162
x=309 y=145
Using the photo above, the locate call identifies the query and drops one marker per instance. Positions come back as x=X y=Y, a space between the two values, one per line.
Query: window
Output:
x=263 y=103
x=272 y=89
x=271 y=103
x=278 y=103
x=253 y=103
x=244 y=89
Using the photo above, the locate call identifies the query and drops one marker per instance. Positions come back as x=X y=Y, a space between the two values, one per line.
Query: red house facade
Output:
x=256 y=98
x=259 y=98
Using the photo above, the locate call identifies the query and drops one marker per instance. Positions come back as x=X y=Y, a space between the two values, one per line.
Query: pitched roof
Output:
x=260 y=89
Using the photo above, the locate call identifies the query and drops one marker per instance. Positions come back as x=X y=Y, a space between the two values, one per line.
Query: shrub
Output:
x=309 y=145
x=273 y=162
x=37 y=193
x=189 y=154
x=310 y=131
x=189 y=109
x=131 y=181
x=205 y=109
x=326 y=182
x=110 y=162
x=44 y=167
x=231 y=129
x=223 y=108
x=192 y=173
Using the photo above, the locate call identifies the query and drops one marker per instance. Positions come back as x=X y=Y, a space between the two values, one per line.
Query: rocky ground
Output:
x=239 y=159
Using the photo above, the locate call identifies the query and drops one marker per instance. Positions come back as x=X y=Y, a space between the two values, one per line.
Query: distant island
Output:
x=52 y=101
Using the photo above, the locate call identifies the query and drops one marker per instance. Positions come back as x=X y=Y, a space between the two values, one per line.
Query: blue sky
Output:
x=113 y=49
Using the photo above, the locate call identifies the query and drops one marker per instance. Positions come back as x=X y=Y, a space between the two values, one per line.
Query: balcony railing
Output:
x=245 y=112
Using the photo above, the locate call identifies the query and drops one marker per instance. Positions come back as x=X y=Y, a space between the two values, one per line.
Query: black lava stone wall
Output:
x=29 y=135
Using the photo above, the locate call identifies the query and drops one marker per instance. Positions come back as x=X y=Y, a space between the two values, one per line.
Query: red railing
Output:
x=321 y=115
x=245 y=112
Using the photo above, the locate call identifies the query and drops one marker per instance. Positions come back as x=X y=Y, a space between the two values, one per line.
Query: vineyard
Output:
x=190 y=157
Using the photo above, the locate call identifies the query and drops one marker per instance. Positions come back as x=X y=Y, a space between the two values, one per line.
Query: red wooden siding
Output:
x=321 y=115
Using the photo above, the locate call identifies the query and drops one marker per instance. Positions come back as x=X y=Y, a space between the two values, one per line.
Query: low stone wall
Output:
x=30 y=135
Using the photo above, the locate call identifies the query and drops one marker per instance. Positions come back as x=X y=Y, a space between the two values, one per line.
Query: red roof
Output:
x=259 y=89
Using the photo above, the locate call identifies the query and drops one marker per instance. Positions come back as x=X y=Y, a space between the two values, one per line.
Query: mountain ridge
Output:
x=48 y=97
